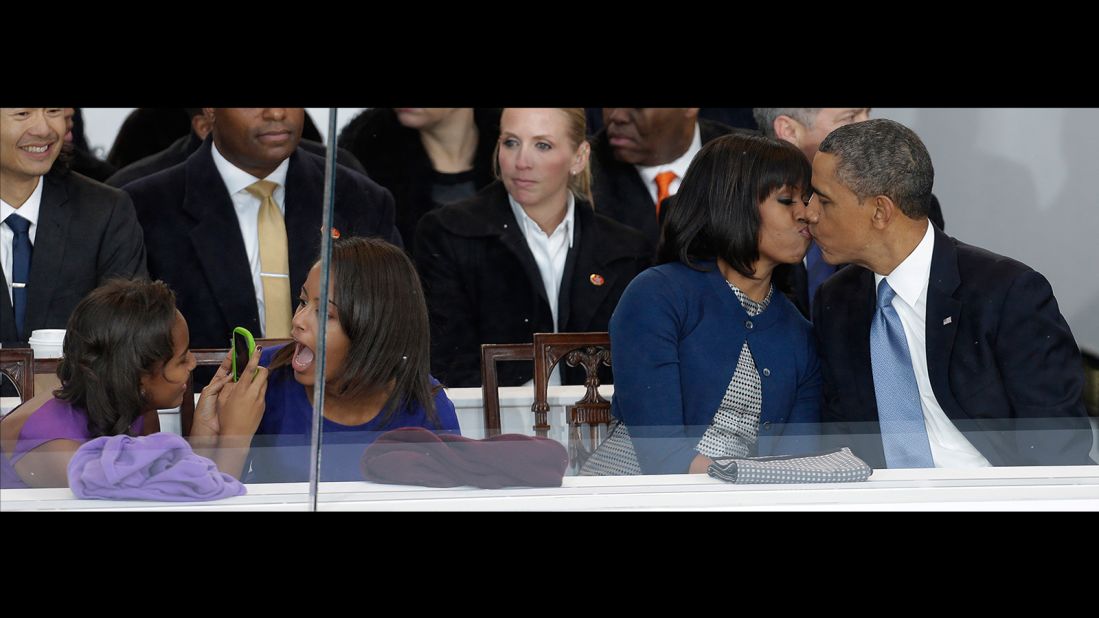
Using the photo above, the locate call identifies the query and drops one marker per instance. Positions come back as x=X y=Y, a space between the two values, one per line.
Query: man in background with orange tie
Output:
x=641 y=156
x=235 y=228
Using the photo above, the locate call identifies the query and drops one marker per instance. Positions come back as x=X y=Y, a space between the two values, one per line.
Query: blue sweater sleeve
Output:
x=444 y=409
x=645 y=332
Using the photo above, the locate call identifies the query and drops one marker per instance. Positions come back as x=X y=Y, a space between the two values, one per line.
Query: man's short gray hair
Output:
x=883 y=157
x=765 y=117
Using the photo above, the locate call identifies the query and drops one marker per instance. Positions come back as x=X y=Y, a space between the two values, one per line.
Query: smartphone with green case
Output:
x=244 y=345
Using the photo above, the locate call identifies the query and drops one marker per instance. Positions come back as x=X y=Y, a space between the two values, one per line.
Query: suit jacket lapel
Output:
x=53 y=225
x=568 y=275
x=584 y=297
x=637 y=196
x=7 y=314
x=304 y=212
x=513 y=238
x=943 y=313
x=628 y=201
x=856 y=313
x=216 y=237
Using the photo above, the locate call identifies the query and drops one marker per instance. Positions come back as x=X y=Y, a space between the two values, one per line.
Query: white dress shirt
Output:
x=949 y=448
x=247 y=209
x=679 y=166
x=550 y=252
x=29 y=211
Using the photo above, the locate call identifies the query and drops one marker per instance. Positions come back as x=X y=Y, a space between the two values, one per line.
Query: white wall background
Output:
x=1020 y=182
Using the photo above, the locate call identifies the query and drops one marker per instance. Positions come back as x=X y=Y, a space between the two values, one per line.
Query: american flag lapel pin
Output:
x=948 y=321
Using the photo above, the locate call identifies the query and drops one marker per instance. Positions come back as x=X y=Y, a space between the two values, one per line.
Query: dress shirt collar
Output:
x=237 y=180
x=529 y=226
x=679 y=166
x=909 y=279
x=29 y=209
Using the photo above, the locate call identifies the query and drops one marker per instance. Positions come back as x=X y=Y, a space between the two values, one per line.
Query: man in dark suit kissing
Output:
x=935 y=352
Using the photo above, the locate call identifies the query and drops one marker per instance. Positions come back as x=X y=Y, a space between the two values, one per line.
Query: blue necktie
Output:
x=20 y=267
x=817 y=269
x=903 y=434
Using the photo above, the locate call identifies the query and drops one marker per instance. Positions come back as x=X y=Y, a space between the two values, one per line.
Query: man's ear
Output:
x=202 y=124
x=789 y=129
x=885 y=211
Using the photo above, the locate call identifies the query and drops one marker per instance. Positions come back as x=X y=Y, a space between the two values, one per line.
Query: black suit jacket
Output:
x=621 y=194
x=87 y=233
x=1002 y=361
x=195 y=245
x=186 y=146
x=483 y=285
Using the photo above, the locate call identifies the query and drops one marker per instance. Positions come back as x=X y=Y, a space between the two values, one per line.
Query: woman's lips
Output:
x=303 y=358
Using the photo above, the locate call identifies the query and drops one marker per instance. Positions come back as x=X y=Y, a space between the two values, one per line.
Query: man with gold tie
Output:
x=235 y=228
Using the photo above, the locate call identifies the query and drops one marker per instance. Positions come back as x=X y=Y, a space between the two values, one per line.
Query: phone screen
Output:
x=240 y=355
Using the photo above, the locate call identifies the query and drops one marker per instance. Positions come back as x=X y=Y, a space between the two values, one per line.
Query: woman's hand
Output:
x=240 y=407
x=240 y=404
x=700 y=464
x=206 y=410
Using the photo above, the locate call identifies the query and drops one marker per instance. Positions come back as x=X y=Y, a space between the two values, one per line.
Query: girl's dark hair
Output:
x=715 y=213
x=381 y=307
x=120 y=331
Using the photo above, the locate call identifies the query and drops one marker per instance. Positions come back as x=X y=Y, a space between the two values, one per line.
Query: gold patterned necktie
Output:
x=274 y=261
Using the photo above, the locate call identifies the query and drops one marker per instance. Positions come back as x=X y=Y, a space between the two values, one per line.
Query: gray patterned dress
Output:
x=732 y=433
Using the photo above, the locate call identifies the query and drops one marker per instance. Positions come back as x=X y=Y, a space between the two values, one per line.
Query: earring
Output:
x=142 y=392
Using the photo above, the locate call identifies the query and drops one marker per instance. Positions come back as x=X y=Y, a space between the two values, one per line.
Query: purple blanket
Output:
x=416 y=456
x=160 y=466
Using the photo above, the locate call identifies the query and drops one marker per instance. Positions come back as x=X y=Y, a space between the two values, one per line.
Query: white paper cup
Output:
x=47 y=343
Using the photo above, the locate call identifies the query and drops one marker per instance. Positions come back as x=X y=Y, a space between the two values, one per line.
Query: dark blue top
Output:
x=676 y=337
x=280 y=448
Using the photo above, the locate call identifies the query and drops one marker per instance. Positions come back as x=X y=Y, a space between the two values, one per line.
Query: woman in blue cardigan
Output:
x=709 y=359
